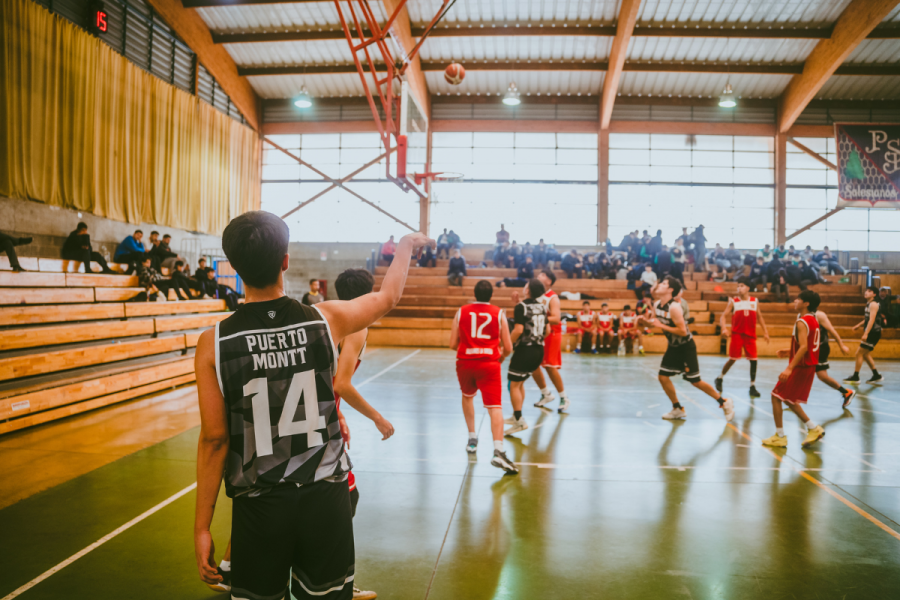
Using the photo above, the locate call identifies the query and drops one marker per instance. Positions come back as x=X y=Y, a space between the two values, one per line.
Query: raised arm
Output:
x=343 y=383
x=346 y=317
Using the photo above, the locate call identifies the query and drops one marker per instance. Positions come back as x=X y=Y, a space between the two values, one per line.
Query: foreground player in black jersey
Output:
x=270 y=425
x=681 y=354
x=531 y=328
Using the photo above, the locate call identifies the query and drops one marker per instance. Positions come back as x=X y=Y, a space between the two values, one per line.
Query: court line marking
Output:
x=807 y=476
x=380 y=373
x=99 y=542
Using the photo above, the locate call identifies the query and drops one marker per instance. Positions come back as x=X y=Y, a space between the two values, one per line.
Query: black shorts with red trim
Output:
x=525 y=361
x=681 y=360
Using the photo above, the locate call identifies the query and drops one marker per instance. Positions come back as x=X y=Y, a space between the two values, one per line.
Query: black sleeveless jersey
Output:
x=532 y=316
x=665 y=317
x=876 y=326
x=275 y=361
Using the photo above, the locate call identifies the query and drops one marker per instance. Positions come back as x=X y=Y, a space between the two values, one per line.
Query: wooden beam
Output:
x=319 y=127
x=780 y=212
x=402 y=32
x=602 y=186
x=693 y=128
x=514 y=125
x=582 y=65
x=855 y=23
x=191 y=28
x=812 y=131
x=624 y=27
x=814 y=223
x=815 y=155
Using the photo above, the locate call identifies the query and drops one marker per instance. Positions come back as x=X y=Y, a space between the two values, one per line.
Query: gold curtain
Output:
x=83 y=128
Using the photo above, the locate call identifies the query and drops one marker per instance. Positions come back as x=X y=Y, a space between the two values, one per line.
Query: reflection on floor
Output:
x=612 y=502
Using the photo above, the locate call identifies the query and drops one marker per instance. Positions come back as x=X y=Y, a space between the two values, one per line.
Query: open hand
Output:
x=417 y=241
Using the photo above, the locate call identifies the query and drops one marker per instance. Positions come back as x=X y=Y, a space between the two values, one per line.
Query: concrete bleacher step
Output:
x=27 y=407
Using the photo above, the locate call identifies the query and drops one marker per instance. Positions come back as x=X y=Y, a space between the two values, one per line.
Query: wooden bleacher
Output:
x=73 y=342
x=425 y=313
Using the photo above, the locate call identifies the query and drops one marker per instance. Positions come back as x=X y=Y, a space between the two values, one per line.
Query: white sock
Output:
x=498 y=445
x=546 y=392
x=473 y=435
x=225 y=565
x=563 y=395
x=810 y=425
x=780 y=431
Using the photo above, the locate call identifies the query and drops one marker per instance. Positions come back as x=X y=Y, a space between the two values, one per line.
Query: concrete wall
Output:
x=307 y=263
x=50 y=225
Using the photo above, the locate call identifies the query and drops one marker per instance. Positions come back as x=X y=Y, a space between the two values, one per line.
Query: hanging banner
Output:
x=868 y=161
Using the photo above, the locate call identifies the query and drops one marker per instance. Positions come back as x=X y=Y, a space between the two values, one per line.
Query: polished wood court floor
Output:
x=612 y=502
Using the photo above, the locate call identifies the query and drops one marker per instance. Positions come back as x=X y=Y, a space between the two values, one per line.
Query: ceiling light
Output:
x=727 y=99
x=303 y=100
x=511 y=98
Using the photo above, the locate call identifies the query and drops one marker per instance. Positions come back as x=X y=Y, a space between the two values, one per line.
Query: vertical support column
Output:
x=425 y=203
x=780 y=188
x=602 y=186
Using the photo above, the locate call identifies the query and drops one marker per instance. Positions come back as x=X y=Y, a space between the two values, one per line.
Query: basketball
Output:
x=454 y=74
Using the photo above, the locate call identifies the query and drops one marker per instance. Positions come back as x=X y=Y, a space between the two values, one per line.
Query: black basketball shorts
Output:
x=824 y=353
x=302 y=534
x=871 y=340
x=681 y=359
x=525 y=361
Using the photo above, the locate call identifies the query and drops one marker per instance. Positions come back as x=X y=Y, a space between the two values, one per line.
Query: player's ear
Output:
x=285 y=262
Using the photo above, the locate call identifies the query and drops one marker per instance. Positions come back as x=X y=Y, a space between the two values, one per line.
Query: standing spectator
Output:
x=663 y=262
x=678 y=258
x=7 y=244
x=886 y=306
x=502 y=236
x=572 y=264
x=540 y=254
x=313 y=296
x=130 y=251
x=455 y=241
x=698 y=240
x=733 y=255
x=427 y=259
x=77 y=247
x=457 y=269
x=766 y=253
x=656 y=243
x=826 y=259
x=685 y=238
x=502 y=257
x=388 y=249
x=181 y=281
x=443 y=245
x=758 y=275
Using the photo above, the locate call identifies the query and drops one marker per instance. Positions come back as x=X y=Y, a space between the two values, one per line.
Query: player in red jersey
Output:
x=741 y=329
x=795 y=382
x=605 y=334
x=587 y=321
x=552 y=346
x=628 y=330
x=480 y=336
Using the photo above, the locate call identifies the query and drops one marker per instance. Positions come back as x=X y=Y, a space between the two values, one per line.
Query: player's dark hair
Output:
x=179 y=263
x=255 y=244
x=604 y=304
x=588 y=302
x=201 y=260
x=80 y=226
x=483 y=291
x=874 y=289
x=549 y=275
x=743 y=279
x=313 y=280
x=138 y=231
x=154 y=233
x=674 y=285
x=627 y=307
x=812 y=298
x=353 y=283
x=167 y=236
x=535 y=289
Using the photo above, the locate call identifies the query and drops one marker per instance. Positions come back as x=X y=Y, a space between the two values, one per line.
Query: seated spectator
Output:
x=887 y=307
x=540 y=254
x=758 y=275
x=77 y=248
x=130 y=251
x=603 y=268
x=808 y=273
x=502 y=258
x=181 y=280
x=163 y=254
x=809 y=256
x=780 y=285
x=457 y=269
x=222 y=291
x=526 y=250
x=427 y=259
x=515 y=253
x=312 y=296
x=828 y=260
x=780 y=253
x=572 y=264
x=620 y=269
x=455 y=241
x=388 y=249
x=502 y=237
x=524 y=274
x=647 y=281
x=717 y=257
x=7 y=244
x=443 y=244
x=552 y=256
x=733 y=255
x=766 y=253
x=155 y=286
x=202 y=282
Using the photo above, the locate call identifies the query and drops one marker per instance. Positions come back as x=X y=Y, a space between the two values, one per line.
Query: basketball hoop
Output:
x=432 y=177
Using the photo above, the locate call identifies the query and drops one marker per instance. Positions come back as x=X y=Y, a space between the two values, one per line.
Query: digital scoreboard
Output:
x=98 y=18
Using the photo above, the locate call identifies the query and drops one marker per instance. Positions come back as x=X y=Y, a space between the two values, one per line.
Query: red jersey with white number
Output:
x=743 y=319
x=479 y=332
x=606 y=321
x=586 y=319
x=813 y=340
x=628 y=321
x=545 y=300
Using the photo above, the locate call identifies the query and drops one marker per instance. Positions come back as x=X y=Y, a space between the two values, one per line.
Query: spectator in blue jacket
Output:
x=130 y=251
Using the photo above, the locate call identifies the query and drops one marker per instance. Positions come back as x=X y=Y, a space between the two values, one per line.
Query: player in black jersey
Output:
x=269 y=423
x=826 y=328
x=531 y=327
x=871 y=325
x=681 y=354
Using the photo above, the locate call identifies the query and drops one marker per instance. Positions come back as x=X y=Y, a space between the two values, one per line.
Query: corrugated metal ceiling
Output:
x=517 y=11
x=876 y=51
x=319 y=86
x=278 y=17
x=704 y=85
x=517 y=48
x=720 y=49
x=320 y=52
x=528 y=82
x=742 y=11
x=860 y=88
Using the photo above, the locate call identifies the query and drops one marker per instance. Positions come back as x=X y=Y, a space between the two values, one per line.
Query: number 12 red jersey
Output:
x=479 y=332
